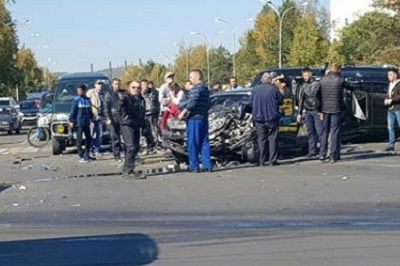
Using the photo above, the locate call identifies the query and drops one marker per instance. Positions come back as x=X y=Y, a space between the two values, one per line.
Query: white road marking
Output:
x=30 y=150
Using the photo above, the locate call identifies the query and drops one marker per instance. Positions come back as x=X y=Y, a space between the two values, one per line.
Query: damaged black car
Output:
x=232 y=134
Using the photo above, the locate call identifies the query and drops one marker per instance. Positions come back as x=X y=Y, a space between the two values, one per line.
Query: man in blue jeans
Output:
x=197 y=122
x=392 y=101
x=332 y=105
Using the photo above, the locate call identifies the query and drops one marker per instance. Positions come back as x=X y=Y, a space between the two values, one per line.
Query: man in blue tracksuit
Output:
x=197 y=123
x=79 y=118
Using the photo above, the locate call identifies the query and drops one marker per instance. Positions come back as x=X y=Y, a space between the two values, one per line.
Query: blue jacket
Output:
x=81 y=112
x=265 y=101
x=199 y=102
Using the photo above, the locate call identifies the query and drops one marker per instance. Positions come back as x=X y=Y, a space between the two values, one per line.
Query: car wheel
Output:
x=57 y=146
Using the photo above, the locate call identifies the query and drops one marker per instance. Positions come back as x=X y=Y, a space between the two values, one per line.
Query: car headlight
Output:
x=60 y=129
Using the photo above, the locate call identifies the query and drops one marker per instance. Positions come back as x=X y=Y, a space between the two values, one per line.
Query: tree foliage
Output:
x=309 y=46
x=389 y=4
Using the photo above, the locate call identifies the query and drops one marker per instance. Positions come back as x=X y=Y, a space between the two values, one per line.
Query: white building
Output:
x=346 y=11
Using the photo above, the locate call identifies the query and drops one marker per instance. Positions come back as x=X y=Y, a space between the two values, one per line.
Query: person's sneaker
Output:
x=118 y=159
x=322 y=159
x=311 y=156
x=389 y=149
x=85 y=160
x=274 y=164
x=134 y=175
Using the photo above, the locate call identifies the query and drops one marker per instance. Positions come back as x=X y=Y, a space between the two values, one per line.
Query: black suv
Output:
x=64 y=94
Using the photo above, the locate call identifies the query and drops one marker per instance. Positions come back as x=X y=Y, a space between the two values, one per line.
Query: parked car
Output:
x=64 y=93
x=9 y=121
x=8 y=102
x=37 y=97
x=28 y=112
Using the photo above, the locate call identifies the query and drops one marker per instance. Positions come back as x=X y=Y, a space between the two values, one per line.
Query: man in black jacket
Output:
x=393 y=103
x=309 y=106
x=152 y=112
x=332 y=104
x=130 y=111
x=112 y=117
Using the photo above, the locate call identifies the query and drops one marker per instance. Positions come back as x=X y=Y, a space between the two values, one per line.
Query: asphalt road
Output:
x=58 y=212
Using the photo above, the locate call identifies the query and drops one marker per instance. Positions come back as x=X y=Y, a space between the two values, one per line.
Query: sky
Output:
x=69 y=35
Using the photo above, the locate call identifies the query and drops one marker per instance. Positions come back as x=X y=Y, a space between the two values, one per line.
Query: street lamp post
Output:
x=280 y=18
x=207 y=52
x=233 y=27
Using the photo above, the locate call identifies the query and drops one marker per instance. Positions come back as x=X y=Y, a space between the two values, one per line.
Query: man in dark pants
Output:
x=79 y=119
x=309 y=107
x=130 y=110
x=112 y=117
x=332 y=105
x=392 y=102
x=265 y=101
x=152 y=111
x=197 y=122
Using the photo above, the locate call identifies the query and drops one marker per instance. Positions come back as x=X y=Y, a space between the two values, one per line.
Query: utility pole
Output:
x=111 y=72
x=17 y=92
x=126 y=64
x=91 y=68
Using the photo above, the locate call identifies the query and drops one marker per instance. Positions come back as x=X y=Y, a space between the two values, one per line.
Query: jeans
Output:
x=267 y=133
x=150 y=131
x=116 y=139
x=331 y=125
x=198 y=142
x=97 y=133
x=88 y=139
x=392 y=116
x=131 y=136
x=314 y=130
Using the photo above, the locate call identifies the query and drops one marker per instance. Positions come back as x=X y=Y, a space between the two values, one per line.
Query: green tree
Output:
x=197 y=57
x=31 y=73
x=9 y=75
x=309 y=46
x=373 y=32
x=389 y=4
x=221 y=64
x=335 y=54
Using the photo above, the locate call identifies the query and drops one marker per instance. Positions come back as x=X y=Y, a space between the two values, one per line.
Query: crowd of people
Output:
x=321 y=108
x=136 y=111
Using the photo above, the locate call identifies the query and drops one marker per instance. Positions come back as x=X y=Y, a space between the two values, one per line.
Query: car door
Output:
x=379 y=92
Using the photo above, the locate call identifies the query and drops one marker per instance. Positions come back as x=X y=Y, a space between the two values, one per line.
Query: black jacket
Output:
x=332 y=88
x=130 y=110
x=111 y=105
x=151 y=102
x=395 y=106
x=310 y=96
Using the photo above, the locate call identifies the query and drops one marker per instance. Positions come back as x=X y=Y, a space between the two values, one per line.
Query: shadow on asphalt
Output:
x=127 y=249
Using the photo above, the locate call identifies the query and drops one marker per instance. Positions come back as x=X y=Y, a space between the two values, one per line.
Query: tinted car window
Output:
x=5 y=102
x=66 y=90
x=27 y=105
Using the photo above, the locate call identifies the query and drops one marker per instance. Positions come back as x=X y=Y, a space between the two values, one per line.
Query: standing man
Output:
x=152 y=111
x=79 y=119
x=265 y=101
x=97 y=110
x=112 y=117
x=196 y=111
x=309 y=108
x=332 y=105
x=233 y=84
x=132 y=119
x=393 y=103
x=164 y=91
